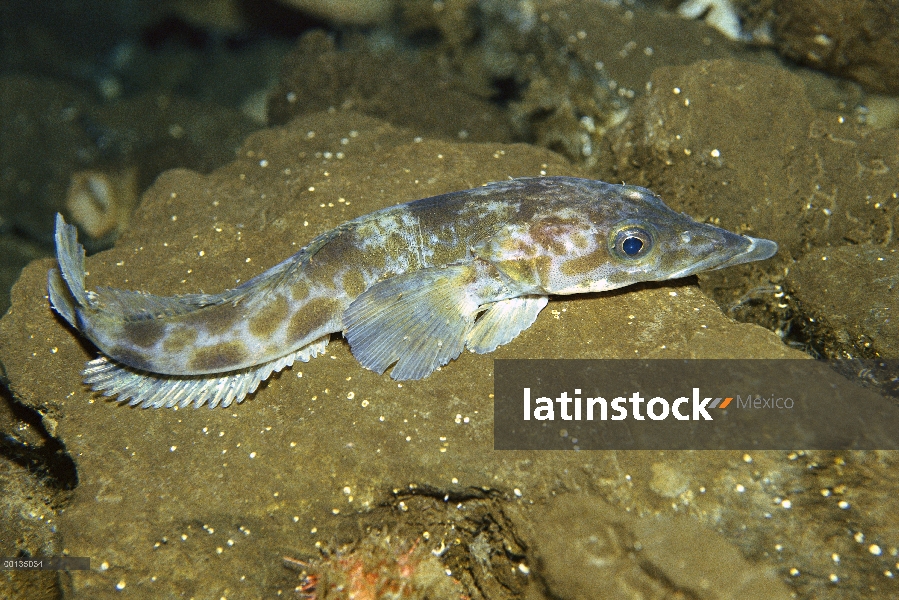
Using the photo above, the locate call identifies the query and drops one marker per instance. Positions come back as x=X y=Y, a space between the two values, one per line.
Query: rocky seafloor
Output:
x=395 y=488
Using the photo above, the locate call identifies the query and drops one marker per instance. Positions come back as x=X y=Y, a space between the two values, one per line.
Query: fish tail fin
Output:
x=108 y=305
x=60 y=298
x=66 y=285
x=70 y=256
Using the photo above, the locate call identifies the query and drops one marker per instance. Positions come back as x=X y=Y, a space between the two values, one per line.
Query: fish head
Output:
x=638 y=238
x=602 y=237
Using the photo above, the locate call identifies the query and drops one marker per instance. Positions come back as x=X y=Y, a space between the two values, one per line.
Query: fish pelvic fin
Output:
x=503 y=321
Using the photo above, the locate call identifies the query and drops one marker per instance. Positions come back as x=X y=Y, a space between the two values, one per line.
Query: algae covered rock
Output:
x=607 y=552
x=211 y=499
x=384 y=83
x=842 y=319
x=857 y=40
x=740 y=145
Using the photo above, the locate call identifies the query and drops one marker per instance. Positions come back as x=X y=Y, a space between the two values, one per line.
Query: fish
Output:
x=409 y=286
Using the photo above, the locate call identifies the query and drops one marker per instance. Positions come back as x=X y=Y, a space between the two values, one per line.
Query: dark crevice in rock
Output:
x=37 y=451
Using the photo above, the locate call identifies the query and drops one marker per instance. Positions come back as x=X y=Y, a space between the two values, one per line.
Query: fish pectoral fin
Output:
x=153 y=390
x=503 y=321
x=417 y=320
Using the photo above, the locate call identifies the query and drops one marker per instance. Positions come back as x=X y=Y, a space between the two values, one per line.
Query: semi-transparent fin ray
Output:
x=70 y=257
x=503 y=321
x=418 y=321
x=60 y=297
x=152 y=390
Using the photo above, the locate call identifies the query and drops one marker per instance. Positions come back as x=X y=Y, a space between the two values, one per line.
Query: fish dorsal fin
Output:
x=132 y=305
x=417 y=320
x=503 y=321
x=285 y=270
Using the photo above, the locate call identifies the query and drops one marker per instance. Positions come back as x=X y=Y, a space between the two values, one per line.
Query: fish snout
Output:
x=726 y=249
x=758 y=249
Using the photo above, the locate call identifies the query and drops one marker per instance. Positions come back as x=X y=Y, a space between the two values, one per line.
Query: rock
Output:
x=840 y=317
x=155 y=132
x=719 y=14
x=738 y=144
x=856 y=40
x=101 y=202
x=852 y=40
x=16 y=252
x=346 y=12
x=206 y=502
x=218 y=15
x=610 y=553
x=317 y=76
x=27 y=513
x=568 y=70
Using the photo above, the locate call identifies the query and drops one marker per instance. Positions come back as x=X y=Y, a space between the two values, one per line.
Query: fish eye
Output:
x=632 y=245
x=632 y=242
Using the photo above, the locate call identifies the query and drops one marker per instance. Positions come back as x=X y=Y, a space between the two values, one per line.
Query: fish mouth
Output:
x=758 y=249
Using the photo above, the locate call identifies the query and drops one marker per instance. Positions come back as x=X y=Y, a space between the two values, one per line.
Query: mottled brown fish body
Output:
x=410 y=286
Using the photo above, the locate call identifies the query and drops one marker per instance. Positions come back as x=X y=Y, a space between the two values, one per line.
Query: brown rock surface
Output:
x=845 y=319
x=609 y=553
x=386 y=84
x=16 y=254
x=205 y=502
x=857 y=40
x=738 y=144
